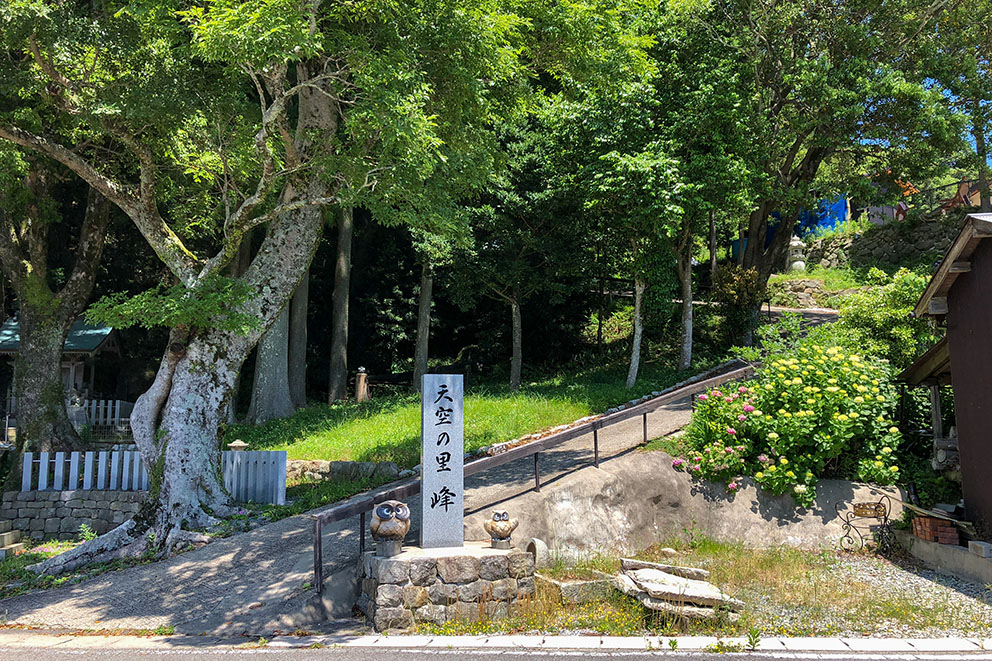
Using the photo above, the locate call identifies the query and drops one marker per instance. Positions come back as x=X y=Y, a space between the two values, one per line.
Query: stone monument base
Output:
x=436 y=585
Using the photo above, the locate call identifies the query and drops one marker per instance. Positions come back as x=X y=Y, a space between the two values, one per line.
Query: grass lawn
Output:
x=15 y=579
x=388 y=427
x=833 y=279
x=787 y=592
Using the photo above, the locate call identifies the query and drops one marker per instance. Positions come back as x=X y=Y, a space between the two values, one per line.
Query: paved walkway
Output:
x=254 y=583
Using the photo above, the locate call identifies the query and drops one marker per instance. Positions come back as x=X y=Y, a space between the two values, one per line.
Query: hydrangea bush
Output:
x=819 y=412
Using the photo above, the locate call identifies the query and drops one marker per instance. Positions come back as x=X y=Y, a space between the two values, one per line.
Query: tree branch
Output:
x=159 y=235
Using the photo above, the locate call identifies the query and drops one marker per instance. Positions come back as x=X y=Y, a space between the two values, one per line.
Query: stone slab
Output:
x=442 y=472
x=878 y=645
x=814 y=644
x=943 y=644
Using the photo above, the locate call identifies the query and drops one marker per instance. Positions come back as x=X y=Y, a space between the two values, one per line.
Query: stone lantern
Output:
x=797 y=254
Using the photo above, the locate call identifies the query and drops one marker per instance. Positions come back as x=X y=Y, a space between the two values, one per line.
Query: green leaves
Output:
x=213 y=304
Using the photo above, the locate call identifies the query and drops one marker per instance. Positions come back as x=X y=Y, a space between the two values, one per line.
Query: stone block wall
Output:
x=893 y=244
x=421 y=586
x=45 y=515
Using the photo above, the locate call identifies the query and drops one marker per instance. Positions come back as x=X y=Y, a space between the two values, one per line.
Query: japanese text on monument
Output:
x=442 y=460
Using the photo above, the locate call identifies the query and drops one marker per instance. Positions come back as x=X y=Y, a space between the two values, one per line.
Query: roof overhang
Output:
x=932 y=368
x=933 y=302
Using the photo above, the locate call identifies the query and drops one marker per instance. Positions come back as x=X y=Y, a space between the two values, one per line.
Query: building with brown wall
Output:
x=960 y=296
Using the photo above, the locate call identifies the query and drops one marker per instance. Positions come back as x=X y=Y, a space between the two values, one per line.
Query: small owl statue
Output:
x=390 y=521
x=500 y=527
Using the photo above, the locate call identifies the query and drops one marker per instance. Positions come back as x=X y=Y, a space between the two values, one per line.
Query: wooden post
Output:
x=645 y=427
x=936 y=419
x=537 y=472
x=362 y=386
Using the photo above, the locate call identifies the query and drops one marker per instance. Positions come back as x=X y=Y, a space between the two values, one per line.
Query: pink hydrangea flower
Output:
x=741 y=418
x=728 y=450
x=676 y=463
x=716 y=393
x=731 y=431
x=742 y=389
x=697 y=459
x=763 y=458
x=732 y=486
x=740 y=448
x=728 y=399
x=748 y=408
x=703 y=397
x=696 y=468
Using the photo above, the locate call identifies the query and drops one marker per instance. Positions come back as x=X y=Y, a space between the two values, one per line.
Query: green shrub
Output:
x=820 y=412
x=880 y=315
x=738 y=293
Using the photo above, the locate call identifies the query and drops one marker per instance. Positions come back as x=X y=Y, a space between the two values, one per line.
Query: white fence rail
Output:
x=258 y=477
x=99 y=412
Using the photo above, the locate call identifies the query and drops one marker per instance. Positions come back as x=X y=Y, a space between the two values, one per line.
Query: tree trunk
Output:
x=420 y=354
x=42 y=421
x=712 y=245
x=270 y=391
x=176 y=422
x=978 y=131
x=741 y=231
x=635 y=352
x=516 y=360
x=685 y=280
x=238 y=268
x=298 y=308
x=338 y=389
x=599 y=319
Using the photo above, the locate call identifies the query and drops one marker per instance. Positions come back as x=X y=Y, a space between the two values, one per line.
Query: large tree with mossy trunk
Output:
x=356 y=103
x=49 y=299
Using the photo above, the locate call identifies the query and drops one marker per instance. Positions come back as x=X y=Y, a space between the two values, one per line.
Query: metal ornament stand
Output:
x=856 y=523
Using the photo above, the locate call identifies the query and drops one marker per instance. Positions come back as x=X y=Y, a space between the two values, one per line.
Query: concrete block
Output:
x=981 y=549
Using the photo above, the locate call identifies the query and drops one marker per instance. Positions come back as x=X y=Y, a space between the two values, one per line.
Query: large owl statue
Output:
x=500 y=526
x=390 y=521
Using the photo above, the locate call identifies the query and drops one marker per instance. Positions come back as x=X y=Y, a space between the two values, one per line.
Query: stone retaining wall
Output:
x=45 y=515
x=437 y=585
x=895 y=244
x=300 y=470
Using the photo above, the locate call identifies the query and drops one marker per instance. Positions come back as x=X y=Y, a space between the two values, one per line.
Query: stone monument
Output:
x=445 y=578
x=442 y=461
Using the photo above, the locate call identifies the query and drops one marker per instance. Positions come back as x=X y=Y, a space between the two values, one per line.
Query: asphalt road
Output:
x=368 y=654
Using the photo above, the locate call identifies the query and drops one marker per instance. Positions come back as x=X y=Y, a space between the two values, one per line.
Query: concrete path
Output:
x=257 y=583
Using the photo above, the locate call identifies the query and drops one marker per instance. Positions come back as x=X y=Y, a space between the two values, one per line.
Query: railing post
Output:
x=361 y=541
x=645 y=426
x=595 y=446
x=537 y=472
x=318 y=556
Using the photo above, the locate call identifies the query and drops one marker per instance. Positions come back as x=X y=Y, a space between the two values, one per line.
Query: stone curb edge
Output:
x=638 y=643
x=974 y=647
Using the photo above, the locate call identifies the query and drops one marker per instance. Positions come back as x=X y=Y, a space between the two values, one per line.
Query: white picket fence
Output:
x=99 y=412
x=257 y=477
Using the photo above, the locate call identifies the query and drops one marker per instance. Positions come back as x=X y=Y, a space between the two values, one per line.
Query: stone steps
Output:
x=10 y=542
x=9 y=537
x=9 y=551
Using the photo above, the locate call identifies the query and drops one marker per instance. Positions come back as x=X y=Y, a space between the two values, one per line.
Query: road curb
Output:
x=773 y=647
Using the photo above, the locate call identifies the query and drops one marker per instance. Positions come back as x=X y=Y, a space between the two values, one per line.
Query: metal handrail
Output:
x=362 y=503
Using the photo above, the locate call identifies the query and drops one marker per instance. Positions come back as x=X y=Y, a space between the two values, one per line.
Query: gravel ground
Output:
x=874 y=596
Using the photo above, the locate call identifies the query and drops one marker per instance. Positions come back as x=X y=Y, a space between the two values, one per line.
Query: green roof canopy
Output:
x=83 y=338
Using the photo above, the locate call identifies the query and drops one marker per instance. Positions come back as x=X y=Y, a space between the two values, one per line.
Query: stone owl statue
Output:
x=390 y=521
x=500 y=526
